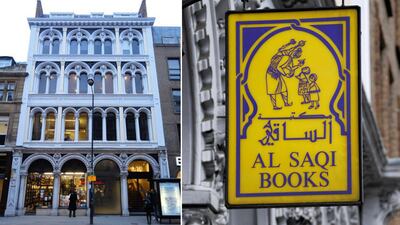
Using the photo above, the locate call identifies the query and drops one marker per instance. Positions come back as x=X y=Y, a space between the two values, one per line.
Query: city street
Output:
x=80 y=220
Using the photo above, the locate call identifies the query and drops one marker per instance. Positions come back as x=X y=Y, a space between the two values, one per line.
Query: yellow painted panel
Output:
x=293 y=107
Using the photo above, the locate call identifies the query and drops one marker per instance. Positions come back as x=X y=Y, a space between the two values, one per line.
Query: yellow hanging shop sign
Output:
x=91 y=178
x=293 y=107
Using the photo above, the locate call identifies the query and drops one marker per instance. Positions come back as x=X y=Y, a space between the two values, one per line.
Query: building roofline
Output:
x=92 y=21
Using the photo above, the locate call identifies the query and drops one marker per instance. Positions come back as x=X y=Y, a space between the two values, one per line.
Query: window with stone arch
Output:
x=36 y=125
x=135 y=78
x=76 y=75
x=50 y=40
x=103 y=40
x=50 y=126
x=83 y=126
x=69 y=126
x=131 y=42
x=78 y=42
x=144 y=120
x=104 y=78
x=98 y=126
x=46 y=78
x=111 y=125
x=130 y=125
x=42 y=124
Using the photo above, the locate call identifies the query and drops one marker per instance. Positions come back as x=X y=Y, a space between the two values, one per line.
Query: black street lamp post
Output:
x=91 y=200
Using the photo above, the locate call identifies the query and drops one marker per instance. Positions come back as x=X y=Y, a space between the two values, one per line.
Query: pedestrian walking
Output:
x=148 y=206
x=73 y=198
x=154 y=202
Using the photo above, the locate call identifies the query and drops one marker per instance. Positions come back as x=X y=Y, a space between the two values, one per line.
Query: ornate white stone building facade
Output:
x=54 y=134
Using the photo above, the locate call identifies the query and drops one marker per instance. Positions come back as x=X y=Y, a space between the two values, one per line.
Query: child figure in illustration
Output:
x=314 y=90
x=302 y=89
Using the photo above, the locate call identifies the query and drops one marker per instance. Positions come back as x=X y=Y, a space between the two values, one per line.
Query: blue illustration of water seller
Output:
x=282 y=65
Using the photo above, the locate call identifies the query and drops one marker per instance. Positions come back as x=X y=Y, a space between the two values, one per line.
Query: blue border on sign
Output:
x=242 y=78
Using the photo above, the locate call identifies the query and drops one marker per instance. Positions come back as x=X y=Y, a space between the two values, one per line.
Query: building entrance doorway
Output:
x=140 y=179
x=107 y=188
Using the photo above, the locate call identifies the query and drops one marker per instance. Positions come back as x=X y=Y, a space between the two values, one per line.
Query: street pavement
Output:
x=80 y=220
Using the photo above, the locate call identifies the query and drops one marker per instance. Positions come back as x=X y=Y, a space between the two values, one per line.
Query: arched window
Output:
x=73 y=47
x=84 y=47
x=72 y=83
x=125 y=47
x=69 y=132
x=83 y=85
x=46 y=80
x=50 y=41
x=144 y=129
x=42 y=83
x=138 y=83
x=55 y=49
x=97 y=46
x=53 y=83
x=50 y=126
x=78 y=41
x=83 y=126
x=135 y=46
x=46 y=46
x=130 y=41
x=128 y=83
x=111 y=127
x=97 y=126
x=107 y=47
x=109 y=83
x=37 y=126
x=98 y=85
x=130 y=126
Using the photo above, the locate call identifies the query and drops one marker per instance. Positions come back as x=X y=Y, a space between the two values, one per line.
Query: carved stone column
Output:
x=43 y=128
x=56 y=193
x=104 y=131
x=124 y=193
x=22 y=191
x=14 y=185
x=76 y=132
x=137 y=128
x=163 y=160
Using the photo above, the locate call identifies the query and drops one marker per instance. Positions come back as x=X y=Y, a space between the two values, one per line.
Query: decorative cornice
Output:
x=112 y=22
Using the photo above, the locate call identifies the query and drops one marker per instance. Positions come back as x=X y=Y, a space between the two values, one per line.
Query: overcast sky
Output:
x=14 y=38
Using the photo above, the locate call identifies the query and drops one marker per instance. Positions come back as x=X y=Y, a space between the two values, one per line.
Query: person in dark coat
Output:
x=148 y=206
x=73 y=198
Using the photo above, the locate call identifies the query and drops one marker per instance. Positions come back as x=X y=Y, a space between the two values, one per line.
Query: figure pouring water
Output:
x=282 y=65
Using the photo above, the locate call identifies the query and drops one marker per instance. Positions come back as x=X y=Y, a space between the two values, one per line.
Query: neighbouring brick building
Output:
x=167 y=52
x=12 y=76
x=385 y=58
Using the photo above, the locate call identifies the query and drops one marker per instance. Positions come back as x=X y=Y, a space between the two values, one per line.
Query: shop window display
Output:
x=73 y=180
x=73 y=176
x=39 y=186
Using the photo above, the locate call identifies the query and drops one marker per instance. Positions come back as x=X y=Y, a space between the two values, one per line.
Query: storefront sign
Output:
x=91 y=178
x=170 y=196
x=293 y=107
x=178 y=161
